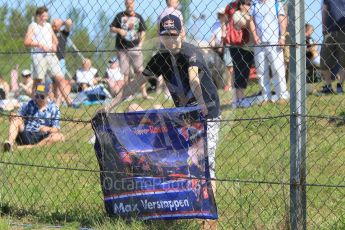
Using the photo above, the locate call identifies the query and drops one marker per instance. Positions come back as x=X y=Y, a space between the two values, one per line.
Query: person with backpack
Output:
x=237 y=37
x=268 y=26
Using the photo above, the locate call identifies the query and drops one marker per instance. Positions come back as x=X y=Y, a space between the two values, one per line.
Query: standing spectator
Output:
x=130 y=29
x=43 y=42
x=224 y=52
x=114 y=76
x=86 y=76
x=37 y=123
x=268 y=26
x=333 y=50
x=241 y=56
x=62 y=36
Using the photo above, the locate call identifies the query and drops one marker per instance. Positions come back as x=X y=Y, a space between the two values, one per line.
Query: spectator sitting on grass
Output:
x=25 y=87
x=37 y=123
x=6 y=103
x=114 y=77
x=86 y=76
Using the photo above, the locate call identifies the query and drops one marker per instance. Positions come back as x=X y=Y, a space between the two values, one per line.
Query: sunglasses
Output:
x=26 y=75
x=40 y=96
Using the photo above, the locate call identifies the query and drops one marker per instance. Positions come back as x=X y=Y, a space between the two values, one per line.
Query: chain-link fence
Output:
x=279 y=80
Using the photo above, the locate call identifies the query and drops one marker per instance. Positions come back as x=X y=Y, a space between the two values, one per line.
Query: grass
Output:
x=248 y=150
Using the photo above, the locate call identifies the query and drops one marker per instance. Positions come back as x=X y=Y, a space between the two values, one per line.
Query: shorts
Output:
x=30 y=138
x=334 y=53
x=131 y=57
x=227 y=58
x=212 y=140
x=45 y=64
x=243 y=60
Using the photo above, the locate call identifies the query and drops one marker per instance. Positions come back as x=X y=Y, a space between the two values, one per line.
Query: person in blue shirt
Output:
x=36 y=124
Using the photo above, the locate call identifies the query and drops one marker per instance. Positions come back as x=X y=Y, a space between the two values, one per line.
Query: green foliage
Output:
x=185 y=9
x=152 y=28
x=3 y=14
x=82 y=40
x=4 y=224
x=78 y=17
x=16 y=28
x=30 y=11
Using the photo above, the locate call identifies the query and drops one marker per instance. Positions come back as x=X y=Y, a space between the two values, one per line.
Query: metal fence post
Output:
x=298 y=120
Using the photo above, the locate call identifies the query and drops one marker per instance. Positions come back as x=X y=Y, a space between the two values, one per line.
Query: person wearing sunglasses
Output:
x=36 y=124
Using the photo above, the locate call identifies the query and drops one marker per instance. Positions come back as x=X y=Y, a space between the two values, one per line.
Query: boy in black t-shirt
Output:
x=187 y=77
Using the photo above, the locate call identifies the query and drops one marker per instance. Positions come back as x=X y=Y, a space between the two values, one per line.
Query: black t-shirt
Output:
x=134 y=25
x=174 y=69
x=62 y=38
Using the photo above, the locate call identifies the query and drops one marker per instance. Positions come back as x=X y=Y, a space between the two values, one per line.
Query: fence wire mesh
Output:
x=59 y=183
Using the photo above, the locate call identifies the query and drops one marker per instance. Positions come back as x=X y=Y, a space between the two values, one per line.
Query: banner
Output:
x=154 y=164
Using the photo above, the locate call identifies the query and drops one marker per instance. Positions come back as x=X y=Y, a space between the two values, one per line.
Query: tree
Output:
x=103 y=39
x=3 y=15
x=77 y=17
x=151 y=39
x=16 y=28
x=185 y=10
x=30 y=11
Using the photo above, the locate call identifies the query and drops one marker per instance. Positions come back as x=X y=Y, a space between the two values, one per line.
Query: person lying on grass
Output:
x=36 y=124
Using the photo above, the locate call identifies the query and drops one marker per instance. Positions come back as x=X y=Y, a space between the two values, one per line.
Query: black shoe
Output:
x=339 y=89
x=8 y=147
x=326 y=89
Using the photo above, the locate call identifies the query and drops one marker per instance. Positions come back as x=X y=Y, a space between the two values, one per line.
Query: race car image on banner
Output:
x=154 y=164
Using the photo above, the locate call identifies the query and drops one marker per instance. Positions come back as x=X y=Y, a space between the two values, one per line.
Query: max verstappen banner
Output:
x=154 y=164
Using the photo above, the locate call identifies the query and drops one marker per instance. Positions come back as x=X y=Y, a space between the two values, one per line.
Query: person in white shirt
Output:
x=114 y=77
x=268 y=26
x=25 y=87
x=87 y=76
x=41 y=38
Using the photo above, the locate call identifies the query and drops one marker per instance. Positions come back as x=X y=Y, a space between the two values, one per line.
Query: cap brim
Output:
x=40 y=92
x=172 y=32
